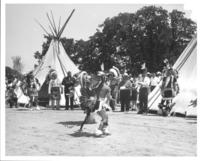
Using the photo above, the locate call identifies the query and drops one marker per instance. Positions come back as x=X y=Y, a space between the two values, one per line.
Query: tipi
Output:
x=55 y=59
x=186 y=65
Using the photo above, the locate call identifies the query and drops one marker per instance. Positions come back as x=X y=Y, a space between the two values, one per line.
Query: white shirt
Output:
x=146 y=81
x=154 y=81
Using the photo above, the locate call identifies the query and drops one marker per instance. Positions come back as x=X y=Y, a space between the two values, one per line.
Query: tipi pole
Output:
x=51 y=24
x=42 y=27
x=62 y=29
x=54 y=23
x=59 y=24
x=187 y=56
x=51 y=30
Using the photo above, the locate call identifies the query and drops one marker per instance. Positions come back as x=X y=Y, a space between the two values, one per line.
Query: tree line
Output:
x=149 y=35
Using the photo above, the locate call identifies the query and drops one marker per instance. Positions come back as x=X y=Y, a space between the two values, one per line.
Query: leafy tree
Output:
x=182 y=30
x=11 y=73
x=127 y=40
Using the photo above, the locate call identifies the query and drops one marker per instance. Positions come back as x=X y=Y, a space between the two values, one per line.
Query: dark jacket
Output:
x=68 y=83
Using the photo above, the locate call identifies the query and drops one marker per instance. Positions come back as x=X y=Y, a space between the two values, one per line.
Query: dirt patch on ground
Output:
x=48 y=132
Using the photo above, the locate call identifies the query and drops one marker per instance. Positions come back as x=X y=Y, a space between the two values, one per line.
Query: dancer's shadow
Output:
x=70 y=123
x=73 y=123
x=85 y=134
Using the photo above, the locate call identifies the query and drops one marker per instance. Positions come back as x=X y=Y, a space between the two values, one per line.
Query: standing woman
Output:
x=55 y=90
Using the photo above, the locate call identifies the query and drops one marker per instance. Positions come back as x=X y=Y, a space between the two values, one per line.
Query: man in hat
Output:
x=143 y=92
x=125 y=92
x=69 y=83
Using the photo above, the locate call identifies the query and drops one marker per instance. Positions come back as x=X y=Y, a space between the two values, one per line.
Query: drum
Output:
x=168 y=93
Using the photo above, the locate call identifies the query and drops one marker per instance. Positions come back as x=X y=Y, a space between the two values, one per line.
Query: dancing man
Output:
x=168 y=90
x=102 y=93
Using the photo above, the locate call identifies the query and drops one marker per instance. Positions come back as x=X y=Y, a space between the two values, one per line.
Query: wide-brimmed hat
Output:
x=158 y=73
x=148 y=73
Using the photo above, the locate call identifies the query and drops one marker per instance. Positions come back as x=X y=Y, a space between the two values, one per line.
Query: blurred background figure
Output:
x=11 y=97
x=33 y=87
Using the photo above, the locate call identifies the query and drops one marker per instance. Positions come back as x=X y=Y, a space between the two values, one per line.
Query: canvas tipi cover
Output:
x=56 y=58
x=186 y=65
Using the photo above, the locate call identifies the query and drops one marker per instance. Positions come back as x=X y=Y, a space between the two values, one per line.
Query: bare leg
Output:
x=103 y=127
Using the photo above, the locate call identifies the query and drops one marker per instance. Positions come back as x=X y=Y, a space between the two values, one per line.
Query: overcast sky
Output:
x=24 y=36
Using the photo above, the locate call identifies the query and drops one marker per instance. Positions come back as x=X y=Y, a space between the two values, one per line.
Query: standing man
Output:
x=69 y=83
x=143 y=93
x=125 y=92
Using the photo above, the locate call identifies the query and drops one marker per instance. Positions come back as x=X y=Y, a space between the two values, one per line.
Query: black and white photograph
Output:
x=98 y=80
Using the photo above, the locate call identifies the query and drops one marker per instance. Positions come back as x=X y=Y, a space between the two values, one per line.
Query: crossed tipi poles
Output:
x=55 y=32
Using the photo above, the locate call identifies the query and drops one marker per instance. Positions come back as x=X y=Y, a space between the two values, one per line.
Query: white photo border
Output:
x=188 y=4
